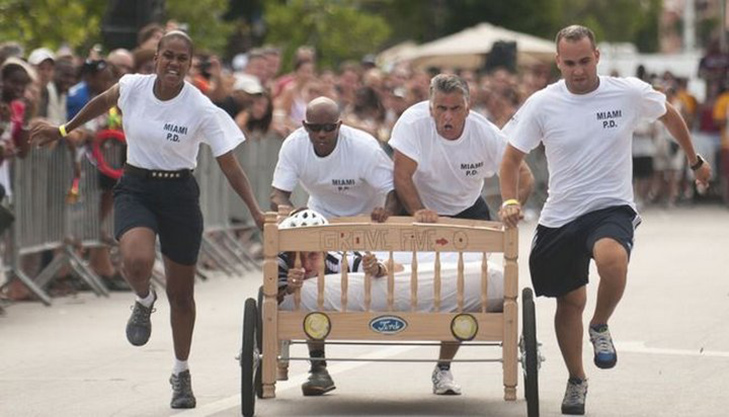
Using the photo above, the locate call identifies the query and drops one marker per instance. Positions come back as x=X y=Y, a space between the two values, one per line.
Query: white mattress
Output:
x=355 y=293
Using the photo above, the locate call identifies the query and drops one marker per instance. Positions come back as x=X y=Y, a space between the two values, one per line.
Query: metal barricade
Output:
x=219 y=243
x=43 y=218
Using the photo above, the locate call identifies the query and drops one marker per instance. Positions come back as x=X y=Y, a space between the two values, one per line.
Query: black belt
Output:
x=156 y=174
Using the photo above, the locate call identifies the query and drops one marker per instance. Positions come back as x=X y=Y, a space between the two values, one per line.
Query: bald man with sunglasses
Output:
x=344 y=170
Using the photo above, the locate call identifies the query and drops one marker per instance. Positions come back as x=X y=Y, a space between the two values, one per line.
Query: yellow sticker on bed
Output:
x=388 y=325
x=464 y=327
x=317 y=325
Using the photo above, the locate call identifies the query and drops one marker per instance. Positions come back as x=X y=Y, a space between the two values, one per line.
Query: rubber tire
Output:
x=259 y=344
x=247 y=379
x=529 y=332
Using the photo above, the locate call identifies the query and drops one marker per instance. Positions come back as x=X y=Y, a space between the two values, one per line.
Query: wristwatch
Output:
x=699 y=162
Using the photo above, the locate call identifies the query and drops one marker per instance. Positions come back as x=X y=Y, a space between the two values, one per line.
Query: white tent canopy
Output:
x=469 y=47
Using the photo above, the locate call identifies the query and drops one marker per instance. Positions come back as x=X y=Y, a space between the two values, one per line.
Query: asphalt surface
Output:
x=671 y=332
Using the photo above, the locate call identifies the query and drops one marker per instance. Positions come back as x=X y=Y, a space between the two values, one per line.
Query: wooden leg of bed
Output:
x=282 y=371
x=510 y=352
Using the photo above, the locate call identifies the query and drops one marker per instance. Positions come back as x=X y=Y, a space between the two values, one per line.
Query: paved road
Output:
x=672 y=333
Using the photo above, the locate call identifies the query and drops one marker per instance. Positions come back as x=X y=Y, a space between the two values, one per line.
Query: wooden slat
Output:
x=321 y=284
x=345 y=280
x=459 y=283
x=414 y=283
x=297 y=292
x=390 y=284
x=436 y=284
x=484 y=282
x=421 y=326
x=270 y=305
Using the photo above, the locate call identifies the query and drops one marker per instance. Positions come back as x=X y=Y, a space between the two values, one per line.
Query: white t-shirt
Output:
x=450 y=173
x=167 y=134
x=352 y=180
x=587 y=140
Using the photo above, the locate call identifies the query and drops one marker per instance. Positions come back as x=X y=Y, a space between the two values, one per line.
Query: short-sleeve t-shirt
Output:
x=587 y=139
x=450 y=173
x=167 y=134
x=352 y=180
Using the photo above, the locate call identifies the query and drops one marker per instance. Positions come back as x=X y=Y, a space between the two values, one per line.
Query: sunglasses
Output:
x=327 y=127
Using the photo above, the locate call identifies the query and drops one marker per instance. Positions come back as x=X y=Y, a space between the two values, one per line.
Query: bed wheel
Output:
x=249 y=359
x=530 y=353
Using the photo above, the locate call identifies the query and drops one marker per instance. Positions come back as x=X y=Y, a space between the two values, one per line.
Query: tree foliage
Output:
x=205 y=20
x=50 y=23
x=337 y=30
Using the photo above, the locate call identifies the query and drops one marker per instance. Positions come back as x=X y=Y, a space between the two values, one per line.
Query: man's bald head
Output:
x=322 y=110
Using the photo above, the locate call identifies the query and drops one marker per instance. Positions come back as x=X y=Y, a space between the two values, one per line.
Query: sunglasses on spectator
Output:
x=316 y=127
x=93 y=66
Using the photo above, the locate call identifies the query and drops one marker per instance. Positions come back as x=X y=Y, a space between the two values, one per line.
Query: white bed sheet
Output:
x=426 y=279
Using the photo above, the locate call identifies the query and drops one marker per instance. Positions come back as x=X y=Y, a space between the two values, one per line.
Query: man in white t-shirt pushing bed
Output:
x=586 y=123
x=443 y=153
x=346 y=173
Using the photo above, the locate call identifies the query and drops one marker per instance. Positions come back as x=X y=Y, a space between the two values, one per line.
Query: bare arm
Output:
x=677 y=127
x=509 y=178
x=239 y=181
x=526 y=182
x=280 y=198
x=44 y=132
x=392 y=208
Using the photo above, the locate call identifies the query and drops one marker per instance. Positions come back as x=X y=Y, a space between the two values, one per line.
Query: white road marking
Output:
x=295 y=381
x=640 y=347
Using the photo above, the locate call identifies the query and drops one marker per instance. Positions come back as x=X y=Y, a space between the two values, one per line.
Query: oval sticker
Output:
x=388 y=324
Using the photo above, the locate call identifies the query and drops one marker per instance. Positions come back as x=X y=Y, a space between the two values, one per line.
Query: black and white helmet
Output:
x=303 y=218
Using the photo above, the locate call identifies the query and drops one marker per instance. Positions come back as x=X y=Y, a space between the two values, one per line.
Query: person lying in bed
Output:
x=291 y=278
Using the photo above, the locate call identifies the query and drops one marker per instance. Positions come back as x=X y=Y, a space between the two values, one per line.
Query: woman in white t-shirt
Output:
x=165 y=120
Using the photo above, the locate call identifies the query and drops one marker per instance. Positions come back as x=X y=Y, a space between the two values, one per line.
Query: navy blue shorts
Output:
x=560 y=257
x=171 y=208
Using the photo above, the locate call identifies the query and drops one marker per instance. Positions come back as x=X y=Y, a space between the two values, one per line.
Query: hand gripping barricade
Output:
x=443 y=294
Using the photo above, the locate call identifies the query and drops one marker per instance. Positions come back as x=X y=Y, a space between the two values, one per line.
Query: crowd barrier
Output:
x=59 y=212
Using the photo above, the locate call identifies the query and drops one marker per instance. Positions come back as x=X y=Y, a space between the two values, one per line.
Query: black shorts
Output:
x=171 y=208
x=642 y=166
x=106 y=183
x=478 y=211
x=560 y=257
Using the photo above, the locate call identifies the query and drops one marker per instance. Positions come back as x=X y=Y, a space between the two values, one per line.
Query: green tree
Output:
x=50 y=23
x=205 y=20
x=338 y=30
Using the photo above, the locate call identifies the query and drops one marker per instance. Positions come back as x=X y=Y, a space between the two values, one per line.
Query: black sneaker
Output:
x=182 y=396
x=574 y=397
x=139 y=326
x=320 y=382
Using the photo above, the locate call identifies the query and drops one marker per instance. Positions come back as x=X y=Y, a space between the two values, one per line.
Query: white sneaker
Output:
x=443 y=383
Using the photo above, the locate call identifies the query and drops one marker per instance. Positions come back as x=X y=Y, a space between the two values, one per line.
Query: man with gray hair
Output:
x=586 y=124
x=443 y=153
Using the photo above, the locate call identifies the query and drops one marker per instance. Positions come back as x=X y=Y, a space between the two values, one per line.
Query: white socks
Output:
x=148 y=300
x=180 y=366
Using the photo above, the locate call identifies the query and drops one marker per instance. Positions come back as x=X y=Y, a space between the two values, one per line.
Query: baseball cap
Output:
x=248 y=84
x=22 y=64
x=39 y=55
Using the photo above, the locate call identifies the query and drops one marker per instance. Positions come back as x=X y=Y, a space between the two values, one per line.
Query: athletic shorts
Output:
x=642 y=166
x=169 y=207
x=560 y=257
x=478 y=211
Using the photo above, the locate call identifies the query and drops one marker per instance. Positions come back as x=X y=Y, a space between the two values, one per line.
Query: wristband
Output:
x=510 y=202
x=699 y=161
x=62 y=131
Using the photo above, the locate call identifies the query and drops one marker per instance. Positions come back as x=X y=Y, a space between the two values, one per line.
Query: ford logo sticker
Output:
x=388 y=324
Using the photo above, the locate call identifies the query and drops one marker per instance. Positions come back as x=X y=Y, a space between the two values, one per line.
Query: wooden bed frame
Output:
x=397 y=234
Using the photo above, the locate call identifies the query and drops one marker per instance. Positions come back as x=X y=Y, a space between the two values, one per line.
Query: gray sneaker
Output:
x=320 y=382
x=605 y=355
x=574 y=397
x=182 y=396
x=139 y=326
